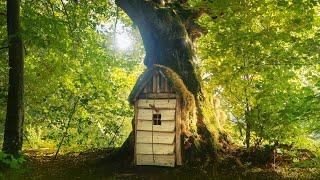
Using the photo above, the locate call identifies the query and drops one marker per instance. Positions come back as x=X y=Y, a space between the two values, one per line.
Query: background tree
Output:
x=253 y=55
x=71 y=57
x=13 y=134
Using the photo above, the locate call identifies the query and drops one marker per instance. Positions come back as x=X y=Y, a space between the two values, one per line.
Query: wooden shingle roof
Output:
x=172 y=78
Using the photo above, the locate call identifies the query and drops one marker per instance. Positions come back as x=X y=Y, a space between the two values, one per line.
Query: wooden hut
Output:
x=158 y=99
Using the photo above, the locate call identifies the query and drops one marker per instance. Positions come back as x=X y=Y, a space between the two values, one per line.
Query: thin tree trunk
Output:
x=247 y=110
x=248 y=126
x=248 y=135
x=13 y=134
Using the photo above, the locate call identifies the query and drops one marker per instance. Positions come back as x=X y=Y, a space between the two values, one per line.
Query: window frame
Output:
x=156 y=119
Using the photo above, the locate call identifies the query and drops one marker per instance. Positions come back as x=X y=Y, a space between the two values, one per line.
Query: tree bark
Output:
x=13 y=133
x=165 y=39
x=167 y=43
x=247 y=114
x=248 y=135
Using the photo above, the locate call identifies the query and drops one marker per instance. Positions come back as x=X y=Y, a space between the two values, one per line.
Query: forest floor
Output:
x=93 y=165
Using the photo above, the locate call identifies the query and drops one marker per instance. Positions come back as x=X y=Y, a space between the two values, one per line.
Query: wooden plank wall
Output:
x=155 y=144
x=166 y=115
x=158 y=137
x=159 y=160
x=157 y=84
x=146 y=125
x=159 y=103
x=157 y=148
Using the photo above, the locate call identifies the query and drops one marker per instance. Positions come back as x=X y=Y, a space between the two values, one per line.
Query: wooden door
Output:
x=155 y=132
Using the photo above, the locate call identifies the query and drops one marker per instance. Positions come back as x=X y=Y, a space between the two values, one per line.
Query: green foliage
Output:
x=10 y=161
x=72 y=73
x=304 y=160
x=312 y=163
x=261 y=59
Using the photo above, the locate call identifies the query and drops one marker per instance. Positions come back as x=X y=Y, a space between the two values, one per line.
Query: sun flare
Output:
x=123 y=40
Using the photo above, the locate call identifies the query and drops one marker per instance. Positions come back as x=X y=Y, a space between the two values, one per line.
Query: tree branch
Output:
x=67 y=15
x=131 y=7
x=70 y=117
x=115 y=26
x=51 y=7
x=76 y=39
x=116 y=133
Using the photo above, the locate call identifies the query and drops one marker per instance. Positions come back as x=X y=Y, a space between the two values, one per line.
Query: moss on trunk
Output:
x=167 y=43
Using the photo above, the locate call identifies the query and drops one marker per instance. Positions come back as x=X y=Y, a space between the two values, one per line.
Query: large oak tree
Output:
x=168 y=30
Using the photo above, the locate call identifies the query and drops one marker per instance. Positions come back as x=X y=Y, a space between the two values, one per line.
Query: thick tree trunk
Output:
x=13 y=134
x=165 y=39
x=167 y=43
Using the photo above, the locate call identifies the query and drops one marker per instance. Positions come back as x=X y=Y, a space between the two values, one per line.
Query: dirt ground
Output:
x=95 y=165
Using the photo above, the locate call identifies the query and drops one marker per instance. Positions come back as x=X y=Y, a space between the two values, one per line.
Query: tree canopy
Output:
x=254 y=64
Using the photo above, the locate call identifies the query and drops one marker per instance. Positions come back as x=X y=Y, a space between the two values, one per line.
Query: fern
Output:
x=11 y=161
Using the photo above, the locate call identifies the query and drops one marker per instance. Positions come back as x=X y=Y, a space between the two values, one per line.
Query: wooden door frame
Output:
x=177 y=148
x=178 y=157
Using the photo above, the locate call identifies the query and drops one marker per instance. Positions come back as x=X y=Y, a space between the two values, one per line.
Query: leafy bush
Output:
x=10 y=161
x=310 y=163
